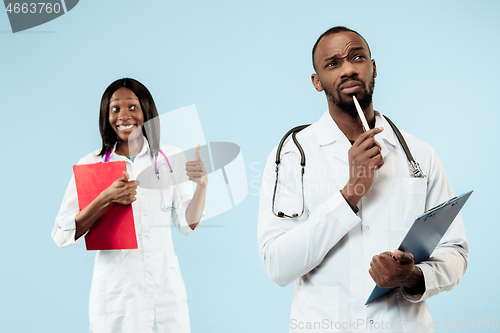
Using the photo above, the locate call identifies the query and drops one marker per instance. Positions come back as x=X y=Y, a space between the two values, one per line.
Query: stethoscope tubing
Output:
x=415 y=169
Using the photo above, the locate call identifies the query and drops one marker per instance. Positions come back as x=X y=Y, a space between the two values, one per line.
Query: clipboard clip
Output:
x=444 y=203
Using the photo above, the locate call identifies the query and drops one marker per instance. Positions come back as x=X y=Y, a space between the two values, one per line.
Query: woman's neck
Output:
x=131 y=148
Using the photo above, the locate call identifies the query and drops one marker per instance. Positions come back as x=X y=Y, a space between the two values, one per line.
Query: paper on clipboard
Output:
x=425 y=233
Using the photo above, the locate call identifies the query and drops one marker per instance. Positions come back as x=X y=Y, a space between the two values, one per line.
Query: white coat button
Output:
x=367 y=227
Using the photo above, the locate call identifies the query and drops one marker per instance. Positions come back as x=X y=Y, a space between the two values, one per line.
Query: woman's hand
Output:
x=122 y=191
x=196 y=173
x=195 y=169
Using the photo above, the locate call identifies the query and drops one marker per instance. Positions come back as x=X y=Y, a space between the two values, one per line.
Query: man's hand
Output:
x=364 y=159
x=401 y=271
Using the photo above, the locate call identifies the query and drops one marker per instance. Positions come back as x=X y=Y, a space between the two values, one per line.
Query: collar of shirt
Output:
x=329 y=133
x=144 y=150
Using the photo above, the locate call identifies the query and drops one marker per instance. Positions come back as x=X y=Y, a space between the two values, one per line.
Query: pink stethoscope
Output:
x=164 y=206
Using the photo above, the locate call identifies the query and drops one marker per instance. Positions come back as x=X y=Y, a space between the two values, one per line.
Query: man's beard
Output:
x=348 y=106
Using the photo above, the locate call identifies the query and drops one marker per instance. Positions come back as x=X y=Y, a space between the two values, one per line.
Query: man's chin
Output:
x=348 y=108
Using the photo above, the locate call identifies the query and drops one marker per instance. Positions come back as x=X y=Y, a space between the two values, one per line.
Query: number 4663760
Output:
x=33 y=8
x=472 y=324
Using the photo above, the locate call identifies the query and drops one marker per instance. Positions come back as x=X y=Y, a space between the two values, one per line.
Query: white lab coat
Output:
x=327 y=251
x=137 y=290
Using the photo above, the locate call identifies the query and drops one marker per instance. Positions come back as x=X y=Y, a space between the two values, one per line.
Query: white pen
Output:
x=361 y=114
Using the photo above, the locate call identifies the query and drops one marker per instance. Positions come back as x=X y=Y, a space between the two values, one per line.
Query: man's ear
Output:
x=374 y=68
x=316 y=82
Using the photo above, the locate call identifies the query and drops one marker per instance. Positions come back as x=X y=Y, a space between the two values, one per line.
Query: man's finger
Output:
x=403 y=256
x=368 y=134
x=197 y=152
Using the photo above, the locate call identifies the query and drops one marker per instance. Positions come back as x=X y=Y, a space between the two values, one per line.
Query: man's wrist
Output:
x=354 y=208
x=417 y=286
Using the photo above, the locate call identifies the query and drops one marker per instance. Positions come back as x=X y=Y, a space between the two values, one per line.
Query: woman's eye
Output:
x=133 y=107
x=114 y=109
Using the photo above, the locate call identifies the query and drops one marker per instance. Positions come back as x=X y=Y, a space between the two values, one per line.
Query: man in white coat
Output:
x=359 y=199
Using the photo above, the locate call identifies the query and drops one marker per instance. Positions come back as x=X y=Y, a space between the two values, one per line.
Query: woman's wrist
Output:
x=104 y=199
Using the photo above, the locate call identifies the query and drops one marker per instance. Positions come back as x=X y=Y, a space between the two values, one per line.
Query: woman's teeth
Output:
x=126 y=127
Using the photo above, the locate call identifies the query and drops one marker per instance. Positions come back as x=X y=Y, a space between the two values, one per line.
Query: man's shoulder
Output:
x=414 y=143
x=304 y=137
x=417 y=144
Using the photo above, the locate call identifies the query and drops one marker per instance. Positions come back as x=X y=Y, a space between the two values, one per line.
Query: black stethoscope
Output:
x=415 y=170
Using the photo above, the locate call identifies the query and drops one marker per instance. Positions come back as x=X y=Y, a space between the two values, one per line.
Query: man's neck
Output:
x=351 y=127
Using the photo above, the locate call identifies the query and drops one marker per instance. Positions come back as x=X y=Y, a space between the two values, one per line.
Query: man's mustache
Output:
x=349 y=80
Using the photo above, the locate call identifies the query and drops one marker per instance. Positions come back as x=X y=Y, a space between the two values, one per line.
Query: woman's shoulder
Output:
x=92 y=157
x=170 y=150
x=175 y=154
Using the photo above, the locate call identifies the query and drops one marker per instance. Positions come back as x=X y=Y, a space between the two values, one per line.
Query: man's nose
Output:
x=348 y=70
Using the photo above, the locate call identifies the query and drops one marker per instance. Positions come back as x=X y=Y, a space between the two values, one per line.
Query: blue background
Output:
x=246 y=66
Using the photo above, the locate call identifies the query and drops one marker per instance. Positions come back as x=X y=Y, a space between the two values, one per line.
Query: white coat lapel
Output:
x=332 y=138
x=387 y=136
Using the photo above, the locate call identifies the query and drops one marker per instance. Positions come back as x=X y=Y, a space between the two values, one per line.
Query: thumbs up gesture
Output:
x=195 y=169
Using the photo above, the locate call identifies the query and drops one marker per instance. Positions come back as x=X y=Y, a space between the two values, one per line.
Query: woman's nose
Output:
x=124 y=114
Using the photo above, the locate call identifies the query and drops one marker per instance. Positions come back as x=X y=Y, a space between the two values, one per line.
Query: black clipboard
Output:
x=425 y=233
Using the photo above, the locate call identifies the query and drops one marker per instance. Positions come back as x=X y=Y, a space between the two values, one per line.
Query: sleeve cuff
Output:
x=429 y=285
x=68 y=223
x=355 y=209
x=342 y=211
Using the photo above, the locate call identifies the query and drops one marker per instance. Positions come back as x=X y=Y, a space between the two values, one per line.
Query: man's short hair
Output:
x=332 y=31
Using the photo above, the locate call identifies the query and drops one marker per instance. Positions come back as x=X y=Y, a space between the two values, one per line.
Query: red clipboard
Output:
x=115 y=229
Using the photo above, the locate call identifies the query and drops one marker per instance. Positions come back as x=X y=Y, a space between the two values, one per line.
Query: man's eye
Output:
x=332 y=64
x=359 y=57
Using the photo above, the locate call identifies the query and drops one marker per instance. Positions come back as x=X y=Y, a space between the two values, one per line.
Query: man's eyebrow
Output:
x=335 y=57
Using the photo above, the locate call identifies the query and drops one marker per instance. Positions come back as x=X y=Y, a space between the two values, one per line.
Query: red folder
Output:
x=115 y=229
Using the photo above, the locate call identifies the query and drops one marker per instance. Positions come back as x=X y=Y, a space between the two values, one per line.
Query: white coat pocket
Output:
x=314 y=308
x=106 y=294
x=408 y=201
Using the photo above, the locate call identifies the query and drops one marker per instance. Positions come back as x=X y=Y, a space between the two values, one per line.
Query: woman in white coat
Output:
x=138 y=290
